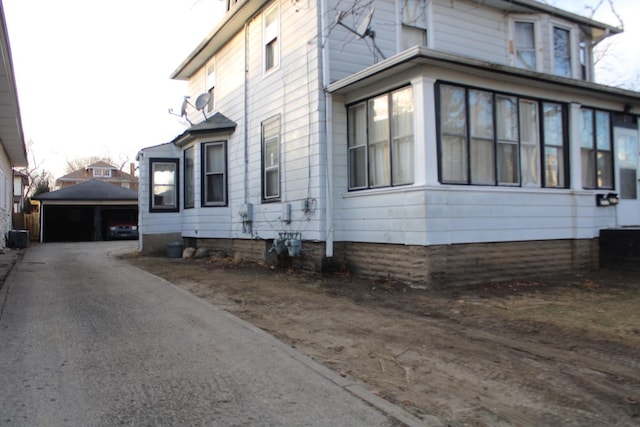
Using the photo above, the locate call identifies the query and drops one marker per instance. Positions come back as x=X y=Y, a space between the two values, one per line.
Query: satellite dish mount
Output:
x=201 y=102
x=363 y=30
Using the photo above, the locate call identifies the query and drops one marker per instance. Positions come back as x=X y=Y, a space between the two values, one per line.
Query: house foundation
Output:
x=435 y=267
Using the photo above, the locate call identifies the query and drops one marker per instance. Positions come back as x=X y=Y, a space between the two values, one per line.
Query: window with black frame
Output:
x=381 y=141
x=488 y=138
x=189 y=184
x=596 y=148
x=271 y=159
x=214 y=173
x=163 y=188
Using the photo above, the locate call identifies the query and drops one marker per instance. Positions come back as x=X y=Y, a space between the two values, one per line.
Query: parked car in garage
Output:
x=121 y=226
x=122 y=231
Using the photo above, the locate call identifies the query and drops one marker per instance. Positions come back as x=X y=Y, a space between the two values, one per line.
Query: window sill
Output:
x=465 y=188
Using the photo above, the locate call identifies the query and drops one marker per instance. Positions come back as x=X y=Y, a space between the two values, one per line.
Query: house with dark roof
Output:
x=103 y=171
x=86 y=211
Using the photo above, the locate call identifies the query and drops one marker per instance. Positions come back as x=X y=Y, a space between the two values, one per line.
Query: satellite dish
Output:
x=202 y=100
x=364 y=27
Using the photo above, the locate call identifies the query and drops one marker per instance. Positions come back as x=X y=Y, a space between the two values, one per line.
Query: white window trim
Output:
x=511 y=49
x=268 y=35
x=203 y=184
x=574 y=60
x=588 y=57
x=210 y=83
x=102 y=173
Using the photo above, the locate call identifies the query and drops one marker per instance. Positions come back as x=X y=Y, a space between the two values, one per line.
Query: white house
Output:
x=431 y=141
x=13 y=152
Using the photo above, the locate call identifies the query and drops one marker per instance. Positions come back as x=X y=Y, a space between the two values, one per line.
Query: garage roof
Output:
x=91 y=190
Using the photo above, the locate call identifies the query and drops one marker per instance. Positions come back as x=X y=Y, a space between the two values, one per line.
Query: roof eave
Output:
x=537 y=6
x=418 y=56
x=227 y=28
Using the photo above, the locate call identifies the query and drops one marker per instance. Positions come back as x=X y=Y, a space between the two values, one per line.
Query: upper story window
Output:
x=231 y=4
x=561 y=52
x=189 y=184
x=596 y=148
x=270 y=37
x=102 y=173
x=585 y=57
x=214 y=173
x=486 y=138
x=271 y=159
x=414 y=23
x=163 y=187
x=524 y=45
x=381 y=141
x=210 y=84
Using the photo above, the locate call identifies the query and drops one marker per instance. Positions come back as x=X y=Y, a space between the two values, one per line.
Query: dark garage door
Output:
x=81 y=223
x=69 y=223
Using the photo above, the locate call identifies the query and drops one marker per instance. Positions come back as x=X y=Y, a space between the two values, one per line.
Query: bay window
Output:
x=189 y=185
x=214 y=173
x=381 y=141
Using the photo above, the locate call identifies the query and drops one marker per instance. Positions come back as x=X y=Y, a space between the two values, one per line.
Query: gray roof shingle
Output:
x=91 y=190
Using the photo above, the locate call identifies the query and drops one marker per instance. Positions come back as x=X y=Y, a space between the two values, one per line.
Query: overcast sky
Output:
x=93 y=75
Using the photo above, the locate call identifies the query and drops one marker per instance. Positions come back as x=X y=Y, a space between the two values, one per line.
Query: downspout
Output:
x=324 y=43
x=246 y=112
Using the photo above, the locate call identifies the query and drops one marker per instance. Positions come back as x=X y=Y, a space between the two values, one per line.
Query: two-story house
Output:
x=438 y=142
x=102 y=171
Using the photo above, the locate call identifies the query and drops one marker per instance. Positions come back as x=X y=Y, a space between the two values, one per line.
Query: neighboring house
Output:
x=13 y=152
x=20 y=185
x=92 y=210
x=439 y=142
x=103 y=171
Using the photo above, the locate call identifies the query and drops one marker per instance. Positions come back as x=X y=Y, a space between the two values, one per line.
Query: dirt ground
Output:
x=562 y=351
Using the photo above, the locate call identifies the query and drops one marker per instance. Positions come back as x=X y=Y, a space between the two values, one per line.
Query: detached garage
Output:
x=87 y=211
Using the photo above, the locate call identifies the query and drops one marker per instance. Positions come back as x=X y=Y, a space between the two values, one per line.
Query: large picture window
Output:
x=214 y=173
x=189 y=185
x=163 y=187
x=380 y=141
x=488 y=138
x=596 y=149
x=271 y=159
